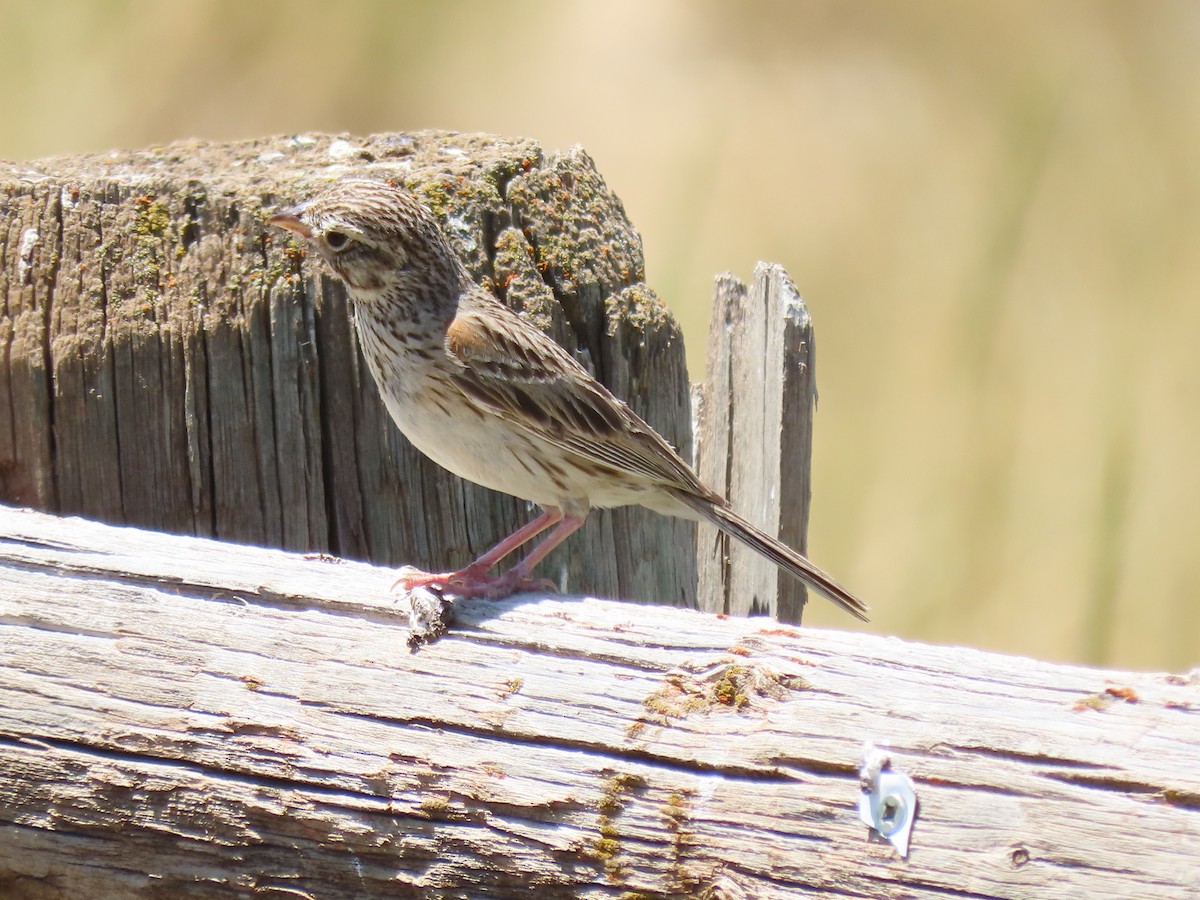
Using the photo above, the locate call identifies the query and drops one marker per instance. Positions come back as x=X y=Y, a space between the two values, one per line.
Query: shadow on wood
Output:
x=184 y=718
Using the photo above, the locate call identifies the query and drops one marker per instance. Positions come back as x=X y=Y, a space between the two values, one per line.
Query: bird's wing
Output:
x=508 y=368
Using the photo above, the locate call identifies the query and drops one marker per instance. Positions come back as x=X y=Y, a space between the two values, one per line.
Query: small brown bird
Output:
x=494 y=400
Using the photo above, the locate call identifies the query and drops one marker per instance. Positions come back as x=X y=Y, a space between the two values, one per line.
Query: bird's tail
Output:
x=776 y=551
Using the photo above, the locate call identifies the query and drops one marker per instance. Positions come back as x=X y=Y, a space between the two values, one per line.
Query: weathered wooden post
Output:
x=167 y=362
x=754 y=438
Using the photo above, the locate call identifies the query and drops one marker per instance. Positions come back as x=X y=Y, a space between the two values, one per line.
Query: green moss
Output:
x=152 y=218
x=146 y=267
x=676 y=812
x=729 y=689
x=612 y=801
x=676 y=815
x=674 y=704
x=734 y=686
x=637 y=308
x=434 y=805
x=677 y=699
x=151 y=221
x=607 y=848
x=438 y=807
x=437 y=196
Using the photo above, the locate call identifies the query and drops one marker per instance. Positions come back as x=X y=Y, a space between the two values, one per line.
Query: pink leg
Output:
x=474 y=580
x=518 y=579
x=567 y=526
x=518 y=538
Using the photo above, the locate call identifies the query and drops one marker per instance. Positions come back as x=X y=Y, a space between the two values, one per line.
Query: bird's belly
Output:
x=488 y=450
x=478 y=447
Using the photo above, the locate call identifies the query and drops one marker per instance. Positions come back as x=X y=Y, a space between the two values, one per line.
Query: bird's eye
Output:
x=337 y=240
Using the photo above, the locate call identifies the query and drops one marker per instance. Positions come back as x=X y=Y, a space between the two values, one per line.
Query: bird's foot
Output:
x=472 y=582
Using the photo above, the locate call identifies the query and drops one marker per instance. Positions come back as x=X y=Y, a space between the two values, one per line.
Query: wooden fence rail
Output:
x=185 y=718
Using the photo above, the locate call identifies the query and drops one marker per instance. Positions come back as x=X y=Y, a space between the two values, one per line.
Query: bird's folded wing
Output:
x=510 y=369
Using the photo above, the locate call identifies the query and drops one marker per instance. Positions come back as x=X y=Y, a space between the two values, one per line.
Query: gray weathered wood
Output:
x=167 y=361
x=181 y=718
x=754 y=438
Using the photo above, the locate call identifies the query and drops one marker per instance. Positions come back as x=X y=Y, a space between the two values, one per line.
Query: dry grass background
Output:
x=992 y=209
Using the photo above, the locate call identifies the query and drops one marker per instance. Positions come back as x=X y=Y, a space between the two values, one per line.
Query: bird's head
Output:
x=378 y=239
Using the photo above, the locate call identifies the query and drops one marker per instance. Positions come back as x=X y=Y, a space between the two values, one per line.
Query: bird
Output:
x=490 y=397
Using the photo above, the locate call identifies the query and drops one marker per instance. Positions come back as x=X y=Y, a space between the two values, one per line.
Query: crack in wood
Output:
x=599 y=750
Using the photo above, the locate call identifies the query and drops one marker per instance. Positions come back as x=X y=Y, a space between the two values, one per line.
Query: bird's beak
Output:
x=291 y=222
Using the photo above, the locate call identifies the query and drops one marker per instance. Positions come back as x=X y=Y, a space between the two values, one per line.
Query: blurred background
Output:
x=991 y=208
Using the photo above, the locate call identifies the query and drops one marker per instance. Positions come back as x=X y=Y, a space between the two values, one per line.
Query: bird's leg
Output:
x=517 y=578
x=479 y=569
x=474 y=580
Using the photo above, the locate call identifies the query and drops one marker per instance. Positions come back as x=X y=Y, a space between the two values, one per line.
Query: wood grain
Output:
x=754 y=438
x=185 y=718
